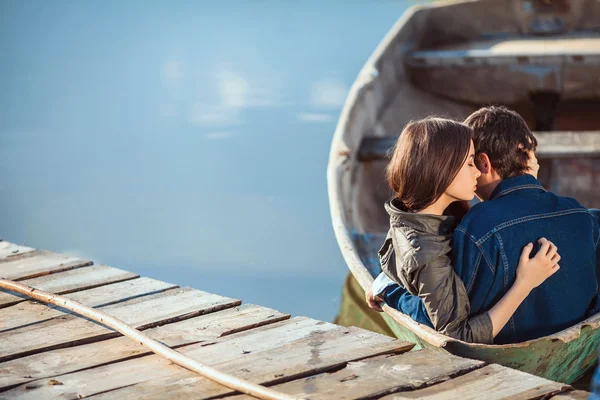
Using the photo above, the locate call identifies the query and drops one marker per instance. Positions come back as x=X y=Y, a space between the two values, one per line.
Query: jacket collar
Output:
x=520 y=182
x=427 y=223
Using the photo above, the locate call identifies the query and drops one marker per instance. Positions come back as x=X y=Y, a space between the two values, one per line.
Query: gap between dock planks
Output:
x=70 y=281
x=57 y=355
x=37 y=263
x=142 y=313
x=30 y=312
x=202 y=329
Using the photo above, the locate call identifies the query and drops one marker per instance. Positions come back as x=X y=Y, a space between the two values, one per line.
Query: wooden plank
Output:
x=495 y=381
x=378 y=376
x=29 y=313
x=302 y=345
x=38 y=263
x=69 y=281
x=142 y=313
x=106 y=378
x=556 y=144
x=528 y=46
x=317 y=352
x=194 y=330
x=8 y=249
x=572 y=395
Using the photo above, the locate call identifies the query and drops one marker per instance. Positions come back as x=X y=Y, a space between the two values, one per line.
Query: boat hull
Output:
x=550 y=358
x=396 y=86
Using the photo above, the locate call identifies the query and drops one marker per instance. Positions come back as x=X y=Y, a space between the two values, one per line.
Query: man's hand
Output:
x=532 y=165
x=374 y=302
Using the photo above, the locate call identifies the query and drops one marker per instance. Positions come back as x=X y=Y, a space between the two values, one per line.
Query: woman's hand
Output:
x=373 y=301
x=531 y=272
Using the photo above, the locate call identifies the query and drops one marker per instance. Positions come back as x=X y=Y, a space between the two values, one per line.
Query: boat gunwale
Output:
x=341 y=160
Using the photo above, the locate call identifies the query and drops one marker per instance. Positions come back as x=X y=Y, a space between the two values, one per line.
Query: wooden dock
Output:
x=49 y=353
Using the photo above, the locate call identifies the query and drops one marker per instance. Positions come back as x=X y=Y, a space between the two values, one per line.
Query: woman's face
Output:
x=464 y=185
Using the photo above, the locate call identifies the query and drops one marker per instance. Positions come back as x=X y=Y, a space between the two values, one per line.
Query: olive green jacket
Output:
x=415 y=254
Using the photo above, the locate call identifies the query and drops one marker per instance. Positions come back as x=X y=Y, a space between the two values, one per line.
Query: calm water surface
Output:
x=184 y=141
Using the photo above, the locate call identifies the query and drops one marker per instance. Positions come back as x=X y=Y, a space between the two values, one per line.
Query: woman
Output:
x=431 y=169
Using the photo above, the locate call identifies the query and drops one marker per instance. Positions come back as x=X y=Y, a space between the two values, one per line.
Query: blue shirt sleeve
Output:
x=381 y=283
x=399 y=298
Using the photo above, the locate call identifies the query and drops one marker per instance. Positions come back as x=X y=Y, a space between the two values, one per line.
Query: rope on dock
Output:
x=213 y=374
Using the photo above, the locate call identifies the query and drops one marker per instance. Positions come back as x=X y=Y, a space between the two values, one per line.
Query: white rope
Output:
x=222 y=378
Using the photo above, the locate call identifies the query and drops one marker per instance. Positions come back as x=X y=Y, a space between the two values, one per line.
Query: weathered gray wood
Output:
x=514 y=51
x=378 y=376
x=556 y=144
x=31 y=312
x=38 y=263
x=319 y=351
x=142 y=313
x=199 y=329
x=573 y=395
x=8 y=249
x=123 y=373
x=299 y=345
x=492 y=382
x=69 y=281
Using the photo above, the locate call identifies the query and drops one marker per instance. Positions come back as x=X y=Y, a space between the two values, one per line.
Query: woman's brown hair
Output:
x=427 y=157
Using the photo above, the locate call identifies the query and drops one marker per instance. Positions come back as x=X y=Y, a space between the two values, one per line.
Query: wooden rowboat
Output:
x=541 y=58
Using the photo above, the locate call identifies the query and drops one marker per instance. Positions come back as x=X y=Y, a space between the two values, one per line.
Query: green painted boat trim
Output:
x=354 y=311
x=549 y=358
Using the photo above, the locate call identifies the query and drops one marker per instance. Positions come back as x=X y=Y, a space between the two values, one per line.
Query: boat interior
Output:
x=540 y=58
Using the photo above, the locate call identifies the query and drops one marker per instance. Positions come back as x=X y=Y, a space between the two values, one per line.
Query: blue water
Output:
x=184 y=141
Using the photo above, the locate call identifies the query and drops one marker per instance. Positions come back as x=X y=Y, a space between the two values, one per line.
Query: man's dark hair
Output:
x=503 y=135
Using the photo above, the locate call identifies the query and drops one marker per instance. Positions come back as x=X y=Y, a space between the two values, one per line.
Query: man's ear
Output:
x=483 y=163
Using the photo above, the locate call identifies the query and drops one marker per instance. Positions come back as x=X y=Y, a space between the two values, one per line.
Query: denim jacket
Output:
x=488 y=243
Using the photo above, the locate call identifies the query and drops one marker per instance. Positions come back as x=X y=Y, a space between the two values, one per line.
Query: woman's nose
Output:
x=477 y=173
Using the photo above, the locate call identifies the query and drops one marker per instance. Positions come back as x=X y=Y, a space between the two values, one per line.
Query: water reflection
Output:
x=184 y=141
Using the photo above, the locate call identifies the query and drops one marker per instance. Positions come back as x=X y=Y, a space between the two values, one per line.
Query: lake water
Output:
x=184 y=141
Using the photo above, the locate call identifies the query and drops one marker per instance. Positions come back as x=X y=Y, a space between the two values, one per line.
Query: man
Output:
x=517 y=210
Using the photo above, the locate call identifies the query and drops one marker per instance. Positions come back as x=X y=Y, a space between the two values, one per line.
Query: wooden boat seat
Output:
x=566 y=50
x=507 y=70
x=555 y=144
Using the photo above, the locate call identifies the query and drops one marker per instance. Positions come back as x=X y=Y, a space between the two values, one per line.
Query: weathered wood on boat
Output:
x=501 y=50
x=502 y=70
x=574 y=395
x=70 y=281
x=491 y=382
x=321 y=348
x=203 y=328
x=378 y=376
x=142 y=313
x=8 y=249
x=30 y=312
x=37 y=263
x=553 y=144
